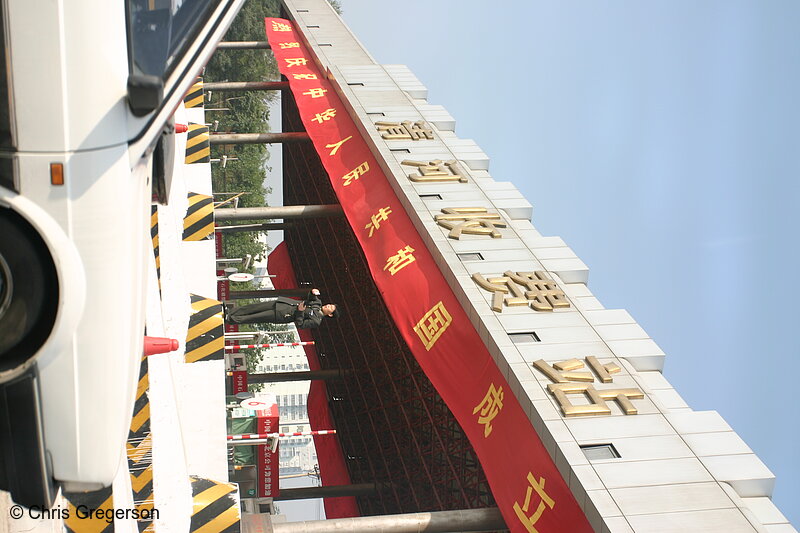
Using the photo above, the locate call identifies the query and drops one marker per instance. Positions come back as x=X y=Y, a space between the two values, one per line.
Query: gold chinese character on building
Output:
x=304 y=76
x=489 y=408
x=529 y=520
x=405 y=130
x=354 y=174
x=280 y=26
x=403 y=258
x=567 y=382
x=432 y=325
x=289 y=45
x=325 y=115
x=335 y=146
x=470 y=220
x=317 y=92
x=436 y=171
x=536 y=289
x=376 y=219
x=295 y=62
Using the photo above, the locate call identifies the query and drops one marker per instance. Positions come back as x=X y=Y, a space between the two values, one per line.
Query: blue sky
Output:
x=660 y=141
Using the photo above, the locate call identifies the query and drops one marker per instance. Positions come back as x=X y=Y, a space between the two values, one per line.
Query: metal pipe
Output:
x=308 y=375
x=268 y=293
x=258 y=138
x=223 y=86
x=488 y=519
x=253 y=227
x=331 y=491
x=236 y=347
x=244 y=45
x=252 y=437
x=282 y=212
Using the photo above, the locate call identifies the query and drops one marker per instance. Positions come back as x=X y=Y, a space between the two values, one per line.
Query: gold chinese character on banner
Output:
x=335 y=146
x=405 y=130
x=325 y=115
x=356 y=173
x=296 y=62
x=435 y=171
x=304 y=76
x=567 y=382
x=545 y=501
x=317 y=92
x=403 y=258
x=534 y=288
x=489 y=408
x=376 y=219
x=289 y=45
x=432 y=325
x=470 y=220
x=280 y=26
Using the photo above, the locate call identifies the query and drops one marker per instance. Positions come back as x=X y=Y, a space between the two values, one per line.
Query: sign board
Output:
x=266 y=460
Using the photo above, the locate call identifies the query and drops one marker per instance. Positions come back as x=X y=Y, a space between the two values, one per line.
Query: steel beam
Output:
x=488 y=519
x=244 y=45
x=223 y=86
x=331 y=491
x=310 y=375
x=282 y=212
x=258 y=138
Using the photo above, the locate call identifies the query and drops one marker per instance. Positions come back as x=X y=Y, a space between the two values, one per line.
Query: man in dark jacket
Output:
x=282 y=310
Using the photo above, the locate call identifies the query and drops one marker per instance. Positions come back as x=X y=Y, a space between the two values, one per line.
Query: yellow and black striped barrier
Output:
x=205 y=340
x=198 y=147
x=216 y=506
x=88 y=511
x=139 y=449
x=154 y=237
x=194 y=98
x=198 y=224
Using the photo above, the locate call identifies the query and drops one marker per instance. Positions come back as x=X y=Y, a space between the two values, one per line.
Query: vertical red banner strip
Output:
x=525 y=482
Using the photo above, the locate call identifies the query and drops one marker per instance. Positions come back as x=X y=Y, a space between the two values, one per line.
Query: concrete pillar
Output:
x=488 y=519
x=239 y=228
x=223 y=86
x=244 y=45
x=277 y=377
x=258 y=138
x=282 y=212
x=331 y=491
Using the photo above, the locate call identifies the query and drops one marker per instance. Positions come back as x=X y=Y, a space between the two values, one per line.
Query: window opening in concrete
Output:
x=470 y=256
x=596 y=452
x=403 y=150
x=431 y=196
x=527 y=336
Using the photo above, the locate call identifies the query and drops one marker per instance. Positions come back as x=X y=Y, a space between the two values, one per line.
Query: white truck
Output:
x=87 y=92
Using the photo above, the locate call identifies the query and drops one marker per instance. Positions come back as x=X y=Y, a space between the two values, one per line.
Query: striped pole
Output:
x=234 y=347
x=252 y=436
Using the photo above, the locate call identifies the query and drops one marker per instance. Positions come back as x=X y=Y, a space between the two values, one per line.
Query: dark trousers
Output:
x=255 y=313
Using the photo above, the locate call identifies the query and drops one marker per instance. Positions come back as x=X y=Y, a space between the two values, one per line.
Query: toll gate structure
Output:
x=476 y=368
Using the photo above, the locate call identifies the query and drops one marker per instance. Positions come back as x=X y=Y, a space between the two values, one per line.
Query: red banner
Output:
x=267 y=461
x=525 y=482
x=332 y=468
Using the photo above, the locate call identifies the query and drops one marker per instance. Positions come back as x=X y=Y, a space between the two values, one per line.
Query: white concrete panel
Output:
x=717 y=443
x=710 y=521
x=698 y=422
x=780 y=528
x=764 y=510
x=671 y=498
x=653 y=380
x=607 y=316
x=618 y=427
x=566 y=335
x=669 y=399
x=537 y=321
x=576 y=290
x=616 y=524
x=570 y=270
x=559 y=352
x=618 y=332
x=656 y=472
x=588 y=303
x=646 y=448
x=748 y=476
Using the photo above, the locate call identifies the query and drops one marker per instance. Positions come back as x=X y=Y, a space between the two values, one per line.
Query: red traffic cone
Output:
x=154 y=345
x=181 y=128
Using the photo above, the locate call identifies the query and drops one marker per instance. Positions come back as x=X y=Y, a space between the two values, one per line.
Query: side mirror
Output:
x=145 y=93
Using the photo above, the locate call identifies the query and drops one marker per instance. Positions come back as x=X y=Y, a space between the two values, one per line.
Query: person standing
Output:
x=307 y=314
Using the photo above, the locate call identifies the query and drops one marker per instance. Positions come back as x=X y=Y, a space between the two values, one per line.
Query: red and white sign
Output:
x=266 y=460
x=529 y=490
x=239 y=381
